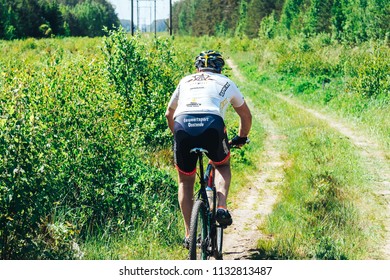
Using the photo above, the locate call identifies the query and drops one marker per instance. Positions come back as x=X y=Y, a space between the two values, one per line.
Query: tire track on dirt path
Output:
x=240 y=239
x=378 y=166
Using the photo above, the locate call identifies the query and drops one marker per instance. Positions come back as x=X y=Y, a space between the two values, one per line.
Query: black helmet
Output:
x=209 y=60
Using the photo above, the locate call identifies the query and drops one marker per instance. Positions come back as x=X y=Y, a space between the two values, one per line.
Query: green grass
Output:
x=326 y=209
x=352 y=82
x=370 y=115
x=142 y=243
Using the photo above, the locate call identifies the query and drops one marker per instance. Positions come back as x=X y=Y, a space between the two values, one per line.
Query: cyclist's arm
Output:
x=171 y=108
x=245 y=119
x=169 y=115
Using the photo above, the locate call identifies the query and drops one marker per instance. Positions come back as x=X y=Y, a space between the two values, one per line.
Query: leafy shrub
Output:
x=145 y=75
x=68 y=164
x=268 y=26
x=369 y=70
x=305 y=87
x=308 y=58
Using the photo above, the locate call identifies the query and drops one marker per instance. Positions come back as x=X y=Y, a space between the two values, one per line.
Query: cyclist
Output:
x=195 y=115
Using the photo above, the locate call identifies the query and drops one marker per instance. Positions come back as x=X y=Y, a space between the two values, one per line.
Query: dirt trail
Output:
x=241 y=238
x=376 y=163
x=258 y=200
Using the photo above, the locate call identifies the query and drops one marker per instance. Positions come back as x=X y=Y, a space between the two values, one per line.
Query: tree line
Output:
x=346 y=20
x=46 y=18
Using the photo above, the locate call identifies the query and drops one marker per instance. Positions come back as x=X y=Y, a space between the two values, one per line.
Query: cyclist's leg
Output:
x=222 y=182
x=185 y=196
x=186 y=166
x=219 y=154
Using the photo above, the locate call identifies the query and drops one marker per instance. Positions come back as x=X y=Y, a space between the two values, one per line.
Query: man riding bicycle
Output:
x=195 y=115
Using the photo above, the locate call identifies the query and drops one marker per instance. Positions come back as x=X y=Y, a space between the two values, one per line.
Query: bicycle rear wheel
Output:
x=219 y=242
x=198 y=232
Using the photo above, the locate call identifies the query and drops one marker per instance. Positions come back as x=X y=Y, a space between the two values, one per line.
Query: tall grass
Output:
x=353 y=82
x=326 y=209
x=322 y=214
x=141 y=243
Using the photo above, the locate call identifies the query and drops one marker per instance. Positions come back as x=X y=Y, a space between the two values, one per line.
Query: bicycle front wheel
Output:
x=198 y=232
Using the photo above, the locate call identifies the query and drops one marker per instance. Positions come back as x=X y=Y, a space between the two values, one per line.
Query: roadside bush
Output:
x=69 y=165
x=145 y=75
x=369 y=68
x=309 y=58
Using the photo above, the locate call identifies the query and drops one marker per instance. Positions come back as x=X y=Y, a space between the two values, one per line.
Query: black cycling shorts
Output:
x=205 y=131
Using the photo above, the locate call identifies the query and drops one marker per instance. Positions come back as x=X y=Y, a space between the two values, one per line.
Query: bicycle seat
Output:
x=198 y=150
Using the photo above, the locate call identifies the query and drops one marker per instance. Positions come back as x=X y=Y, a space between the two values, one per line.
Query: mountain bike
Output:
x=206 y=235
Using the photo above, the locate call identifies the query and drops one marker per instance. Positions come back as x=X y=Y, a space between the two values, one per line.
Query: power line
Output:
x=155 y=15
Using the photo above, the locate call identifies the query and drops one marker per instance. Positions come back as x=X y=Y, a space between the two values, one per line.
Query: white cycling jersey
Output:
x=205 y=92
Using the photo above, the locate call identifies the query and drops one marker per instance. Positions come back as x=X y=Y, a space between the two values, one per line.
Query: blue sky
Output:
x=146 y=8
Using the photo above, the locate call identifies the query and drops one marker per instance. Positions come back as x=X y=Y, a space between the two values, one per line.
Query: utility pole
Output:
x=155 y=19
x=132 y=18
x=170 y=18
x=138 y=15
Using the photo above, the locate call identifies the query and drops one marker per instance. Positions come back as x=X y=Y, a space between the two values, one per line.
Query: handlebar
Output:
x=240 y=142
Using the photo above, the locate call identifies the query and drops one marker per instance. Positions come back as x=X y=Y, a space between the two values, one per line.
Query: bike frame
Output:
x=212 y=233
x=206 y=179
